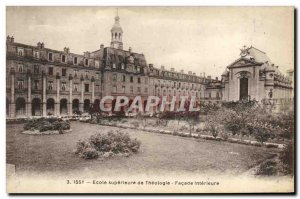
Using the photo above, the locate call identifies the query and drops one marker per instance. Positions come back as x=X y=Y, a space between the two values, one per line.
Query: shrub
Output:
x=261 y=130
x=286 y=157
x=267 y=168
x=135 y=124
x=47 y=124
x=107 y=145
x=224 y=135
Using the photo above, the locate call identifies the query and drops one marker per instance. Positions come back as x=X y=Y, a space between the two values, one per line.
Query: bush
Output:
x=267 y=168
x=135 y=124
x=47 y=124
x=107 y=145
x=286 y=157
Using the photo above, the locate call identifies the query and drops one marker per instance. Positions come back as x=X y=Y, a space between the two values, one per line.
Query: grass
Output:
x=158 y=153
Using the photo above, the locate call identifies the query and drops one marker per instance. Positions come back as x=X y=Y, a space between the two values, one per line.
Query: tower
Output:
x=116 y=34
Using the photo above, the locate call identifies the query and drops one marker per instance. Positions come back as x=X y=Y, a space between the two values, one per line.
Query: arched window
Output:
x=116 y=35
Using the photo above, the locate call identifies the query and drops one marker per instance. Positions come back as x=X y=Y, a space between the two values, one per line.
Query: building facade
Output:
x=43 y=82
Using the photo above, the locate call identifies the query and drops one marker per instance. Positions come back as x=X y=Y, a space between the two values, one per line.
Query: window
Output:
x=75 y=87
x=124 y=78
x=36 y=54
x=63 y=72
x=50 y=56
x=86 y=62
x=146 y=80
x=50 y=85
x=20 y=68
x=97 y=76
x=218 y=95
x=75 y=61
x=114 y=89
x=36 y=84
x=131 y=79
x=20 y=51
x=87 y=74
x=209 y=95
x=63 y=58
x=36 y=69
x=139 y=80
x=131 y=89
x=63 y=86
x=50 y=70
x=114 y=77
x=86 y=88
x=97 y=88
x=75 y=73
x=122 y=66
x=138 y=89
x=114 y=65
x=97 y=64
x=20 y=84
x=123 y=89
x=146 y=90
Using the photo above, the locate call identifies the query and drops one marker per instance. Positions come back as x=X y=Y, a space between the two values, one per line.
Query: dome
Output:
x=117 y=27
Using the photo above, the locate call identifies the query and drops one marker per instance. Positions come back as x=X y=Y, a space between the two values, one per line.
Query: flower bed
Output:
x=46 y=126
x=107 y=145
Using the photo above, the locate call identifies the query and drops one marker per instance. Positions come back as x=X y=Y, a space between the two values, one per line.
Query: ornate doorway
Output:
x=243 y=88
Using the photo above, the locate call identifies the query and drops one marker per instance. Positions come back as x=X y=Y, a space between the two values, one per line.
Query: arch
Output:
x=50 y=106
x=86 y=105
x=20 y=106
x=75 y=105
x=243 y=88
x=36 y=107
x=96 y=106
x=63 y=106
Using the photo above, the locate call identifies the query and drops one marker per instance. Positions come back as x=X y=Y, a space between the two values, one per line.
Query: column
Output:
x=57 y=103
x=12 y=107
x=70 y=111
x=82 y=93
x=44 y=95
x=29 y=106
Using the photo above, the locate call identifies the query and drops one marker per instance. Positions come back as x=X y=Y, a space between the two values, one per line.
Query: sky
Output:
x=197 y=39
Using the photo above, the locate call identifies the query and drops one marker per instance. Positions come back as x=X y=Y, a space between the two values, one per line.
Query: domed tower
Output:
x=116 y=34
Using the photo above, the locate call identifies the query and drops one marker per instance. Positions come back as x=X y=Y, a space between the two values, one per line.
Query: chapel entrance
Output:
x=243 y=88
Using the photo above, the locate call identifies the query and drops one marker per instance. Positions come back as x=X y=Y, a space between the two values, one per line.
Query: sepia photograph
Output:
x=150 y=100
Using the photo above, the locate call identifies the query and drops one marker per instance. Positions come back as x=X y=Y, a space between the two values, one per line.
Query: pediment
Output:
x=243 y=62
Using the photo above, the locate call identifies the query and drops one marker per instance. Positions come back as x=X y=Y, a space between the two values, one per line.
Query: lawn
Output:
x=158 y=153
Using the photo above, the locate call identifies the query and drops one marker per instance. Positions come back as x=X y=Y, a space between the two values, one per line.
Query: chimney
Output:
x=172 y=69
x=130 y=49
x=8 y=38
x=209 y=77
x=12 y=39
x=101 y=46
x=162 y=68
x=181 y=71
x=277 y=66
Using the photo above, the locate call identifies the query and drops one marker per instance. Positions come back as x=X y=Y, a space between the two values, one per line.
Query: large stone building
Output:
x=43 y=81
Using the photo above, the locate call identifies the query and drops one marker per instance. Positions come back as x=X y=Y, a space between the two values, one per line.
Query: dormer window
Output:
x=63 y=58
x=20 y=51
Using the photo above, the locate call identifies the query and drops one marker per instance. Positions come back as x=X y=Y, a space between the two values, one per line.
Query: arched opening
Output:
x=96 y=107
x=113 y=105
x=63 y=106
x=75 y=105
x=116 y=35
x=86 y=105
x=243 y=88
x=50 y=106
x=20 y=107
x=36 y=107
